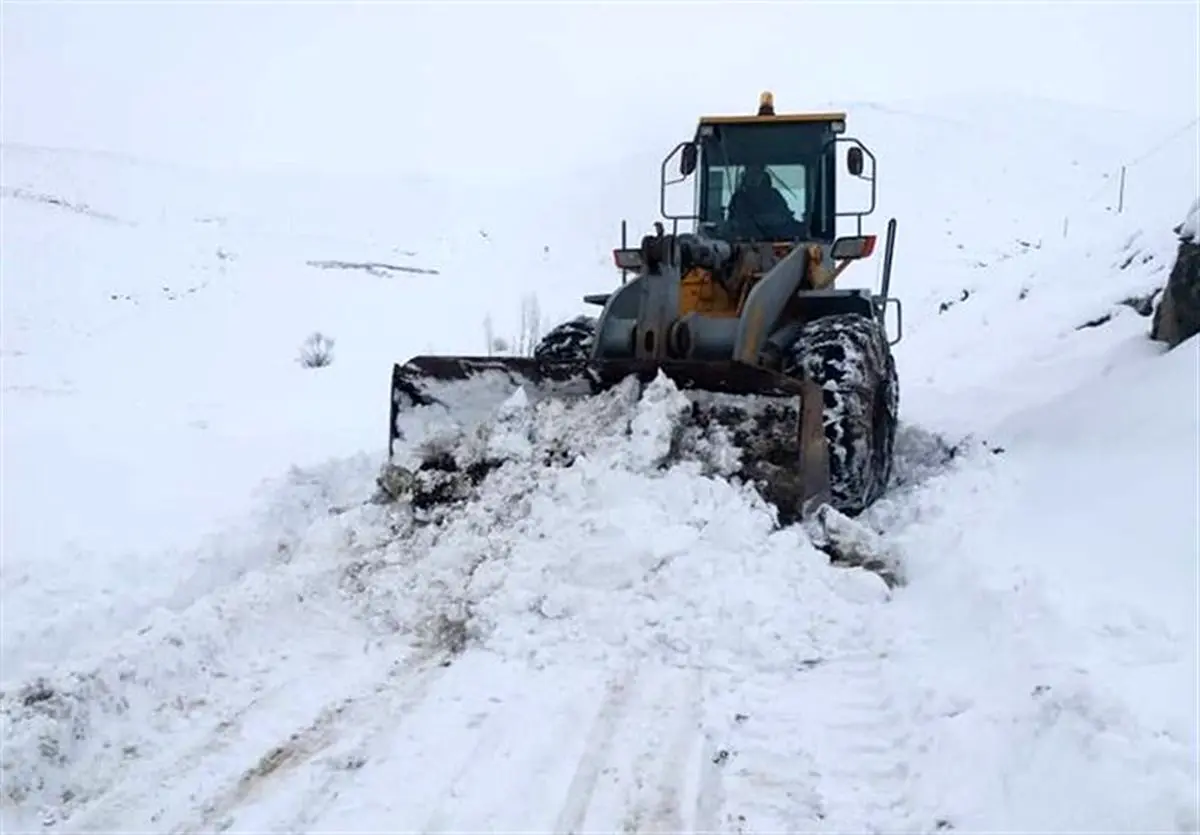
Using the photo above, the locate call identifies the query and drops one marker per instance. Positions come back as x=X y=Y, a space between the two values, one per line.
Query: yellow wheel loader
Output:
x=740 y=311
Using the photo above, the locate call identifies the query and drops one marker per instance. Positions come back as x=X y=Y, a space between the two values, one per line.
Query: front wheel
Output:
x=570 y=341
x=849 y=358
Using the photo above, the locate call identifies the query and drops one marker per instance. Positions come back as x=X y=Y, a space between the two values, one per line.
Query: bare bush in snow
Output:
x=495 y=344
x=317 y=351
x=530 y=331
x=531 y=326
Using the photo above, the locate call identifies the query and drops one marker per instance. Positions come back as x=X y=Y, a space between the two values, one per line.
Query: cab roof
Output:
x=766 y=115
x=773 y=119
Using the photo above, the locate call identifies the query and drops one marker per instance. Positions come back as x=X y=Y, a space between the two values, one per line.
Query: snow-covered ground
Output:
x=206 y=624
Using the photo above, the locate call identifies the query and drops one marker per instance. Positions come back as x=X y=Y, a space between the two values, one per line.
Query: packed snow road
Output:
x=625 y=643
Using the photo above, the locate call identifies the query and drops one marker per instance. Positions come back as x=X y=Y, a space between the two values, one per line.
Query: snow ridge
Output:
x=641 y=522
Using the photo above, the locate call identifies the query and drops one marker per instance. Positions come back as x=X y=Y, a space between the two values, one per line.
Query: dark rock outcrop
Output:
x=1177 y=317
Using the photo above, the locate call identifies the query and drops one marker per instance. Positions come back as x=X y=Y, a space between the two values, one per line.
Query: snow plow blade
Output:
x=774 y=419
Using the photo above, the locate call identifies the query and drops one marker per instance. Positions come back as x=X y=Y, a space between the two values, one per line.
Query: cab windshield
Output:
x=767 y=181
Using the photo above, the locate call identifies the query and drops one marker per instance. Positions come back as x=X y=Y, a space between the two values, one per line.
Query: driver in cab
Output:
x=758 y=209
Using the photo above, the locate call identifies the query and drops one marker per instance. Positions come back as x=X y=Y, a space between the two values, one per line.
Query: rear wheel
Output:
x=572 y=340
x=849 y=358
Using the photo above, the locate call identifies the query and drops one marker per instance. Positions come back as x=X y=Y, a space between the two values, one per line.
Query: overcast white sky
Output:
x=410 y=86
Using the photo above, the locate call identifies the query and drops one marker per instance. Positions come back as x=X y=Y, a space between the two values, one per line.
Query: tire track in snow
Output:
x=867 y=787
x=176 y=768
x=710 y=788
x=595 y=752
x=484 y=749
x=165 y=788
x=656 y=758
x=488 y=747
x=822 y=749
x=452 y=752
x=498 y=744
x=384 y=703
x=661 y=809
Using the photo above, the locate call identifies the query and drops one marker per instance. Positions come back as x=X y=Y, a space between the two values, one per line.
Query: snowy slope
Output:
x=1050 y=624
x=619 y=643
x=152 y=320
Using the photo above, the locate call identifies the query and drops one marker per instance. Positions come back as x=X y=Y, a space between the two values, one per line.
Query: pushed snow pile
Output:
x=601 y=523
x=591 y=534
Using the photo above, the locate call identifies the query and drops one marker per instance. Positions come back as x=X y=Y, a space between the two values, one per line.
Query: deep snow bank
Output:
x=1049 y=629
x=998 y=340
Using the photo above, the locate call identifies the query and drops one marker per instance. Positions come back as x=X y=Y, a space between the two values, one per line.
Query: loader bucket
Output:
x=775 y=420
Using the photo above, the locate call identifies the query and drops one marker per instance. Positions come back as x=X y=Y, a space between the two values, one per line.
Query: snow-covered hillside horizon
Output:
x=206 y=624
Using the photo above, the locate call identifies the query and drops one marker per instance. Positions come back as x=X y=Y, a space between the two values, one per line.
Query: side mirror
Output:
x=854 y=161
x=687 y=161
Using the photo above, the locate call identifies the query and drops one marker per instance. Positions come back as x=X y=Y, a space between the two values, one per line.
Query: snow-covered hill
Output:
x=612 y=643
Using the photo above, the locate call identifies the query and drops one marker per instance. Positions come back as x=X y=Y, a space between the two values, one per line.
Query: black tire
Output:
x=572 y=340
x=848 y=356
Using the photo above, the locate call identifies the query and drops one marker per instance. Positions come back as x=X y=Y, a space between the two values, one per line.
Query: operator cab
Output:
x=768 y=177
x=763 y=181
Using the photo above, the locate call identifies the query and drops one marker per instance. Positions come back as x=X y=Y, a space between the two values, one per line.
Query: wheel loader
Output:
x=737 y=305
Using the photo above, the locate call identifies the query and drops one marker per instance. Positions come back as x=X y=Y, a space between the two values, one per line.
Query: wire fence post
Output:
x=1121 y=192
